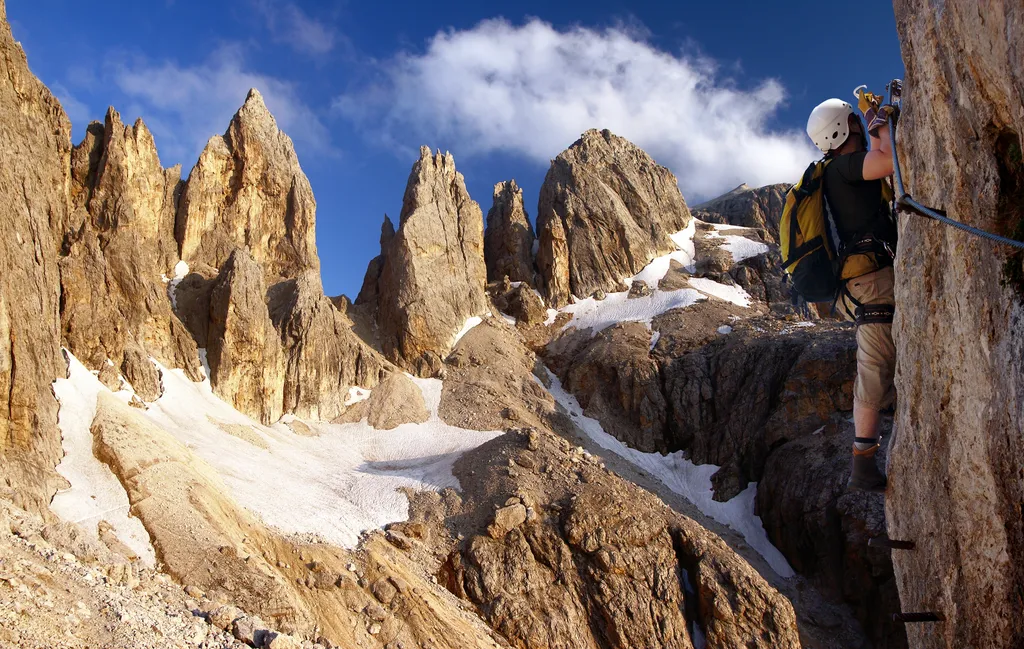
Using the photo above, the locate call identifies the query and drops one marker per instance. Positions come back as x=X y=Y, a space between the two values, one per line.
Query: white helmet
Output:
x=829 y=124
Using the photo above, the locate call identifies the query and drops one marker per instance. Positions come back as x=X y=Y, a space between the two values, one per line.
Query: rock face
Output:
x=324 y=356
x=956 y=486
x=606 y=210
x=823 y=530
x=35 y=148
x=508 y=242
x=748 y=207
x=591 y=562
x=433 y=276
x=247 y=189
x=726 y=399
x=117 y=247
x=245 y=357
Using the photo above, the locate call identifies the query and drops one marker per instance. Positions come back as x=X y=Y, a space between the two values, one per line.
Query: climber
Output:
x=854 y=182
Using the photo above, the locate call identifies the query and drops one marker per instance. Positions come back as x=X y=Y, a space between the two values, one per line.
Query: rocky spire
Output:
x=434 y=275
x=508 y=242
x=615 y=209
x=248 y=190
x=118 y=244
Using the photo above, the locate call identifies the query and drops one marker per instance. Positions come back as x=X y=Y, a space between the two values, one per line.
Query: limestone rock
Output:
x=507 y=519
x=601 y=564
x=35 y=149
x=323 y=355
x=395 y=401
x=247 y=189
x=508 y=242
x=606 y=210
x=617 y=382
x=522 y=303
x=748 y=207
x=434 y=275
x=955 y=482
x=117 y=255
x=244 y=353
x=734 y=399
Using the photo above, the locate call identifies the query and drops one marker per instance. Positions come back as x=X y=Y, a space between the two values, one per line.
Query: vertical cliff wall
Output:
x=35 y=155
x=957 y=463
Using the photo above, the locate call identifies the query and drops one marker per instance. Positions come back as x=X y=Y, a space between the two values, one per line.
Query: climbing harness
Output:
x=906 y=203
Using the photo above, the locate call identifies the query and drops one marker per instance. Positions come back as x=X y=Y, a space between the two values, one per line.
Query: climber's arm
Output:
x=878 y=161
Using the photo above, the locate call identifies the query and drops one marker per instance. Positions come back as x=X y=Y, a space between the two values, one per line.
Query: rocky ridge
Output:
x=509 y=238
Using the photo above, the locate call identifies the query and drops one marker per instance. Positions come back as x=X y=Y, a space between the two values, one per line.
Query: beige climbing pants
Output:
x=876 y=353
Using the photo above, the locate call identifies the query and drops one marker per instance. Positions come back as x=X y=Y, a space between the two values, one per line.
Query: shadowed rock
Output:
x=508 y=242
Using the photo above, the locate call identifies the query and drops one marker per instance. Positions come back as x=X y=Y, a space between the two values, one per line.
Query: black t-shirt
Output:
x=856 y=203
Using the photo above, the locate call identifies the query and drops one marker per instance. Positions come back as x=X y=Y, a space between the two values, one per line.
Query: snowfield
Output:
x=332 y=486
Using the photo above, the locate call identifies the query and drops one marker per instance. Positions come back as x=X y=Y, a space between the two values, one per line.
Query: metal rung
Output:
x=918 y=617
x=886 y=542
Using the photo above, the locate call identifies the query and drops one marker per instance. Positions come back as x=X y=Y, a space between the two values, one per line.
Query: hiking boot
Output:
x=865 y=475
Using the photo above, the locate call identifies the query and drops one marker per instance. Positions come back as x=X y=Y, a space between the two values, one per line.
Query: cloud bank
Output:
x=532 y=90
x=186 y=105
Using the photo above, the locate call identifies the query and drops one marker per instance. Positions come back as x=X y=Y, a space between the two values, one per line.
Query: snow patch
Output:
x=181 y=269
x=691 y=481
x=509 y=319
x=95 y=493
x=334 y=485
x=598 y=315
x=655 y=337
x=725 y=329
x=470 y=323
x=355 y=395
x=733 y=294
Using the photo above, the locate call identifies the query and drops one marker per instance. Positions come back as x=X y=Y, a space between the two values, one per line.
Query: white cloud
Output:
x=289 y=24
x=185 y=105
x=533 y=90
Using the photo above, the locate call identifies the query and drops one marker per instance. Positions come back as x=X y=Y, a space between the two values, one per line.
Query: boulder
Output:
x=395 y=401
x=508 y=241
x=823 y=531
x=606 y=210
x=955 y=481
x=433 y=277
x=36 y=151
x=247 y=189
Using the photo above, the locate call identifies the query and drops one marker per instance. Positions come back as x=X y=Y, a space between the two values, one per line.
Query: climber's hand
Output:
x=881 y=118
x=868 y=103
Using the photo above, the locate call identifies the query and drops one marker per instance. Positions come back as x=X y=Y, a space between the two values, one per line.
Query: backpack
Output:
x=812 y=253
x=809 y=239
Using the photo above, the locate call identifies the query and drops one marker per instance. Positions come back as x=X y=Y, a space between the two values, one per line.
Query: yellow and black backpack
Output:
x=809 y=239
x=812 y=253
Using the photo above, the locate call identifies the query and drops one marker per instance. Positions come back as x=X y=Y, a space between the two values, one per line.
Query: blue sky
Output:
x=717 y=91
